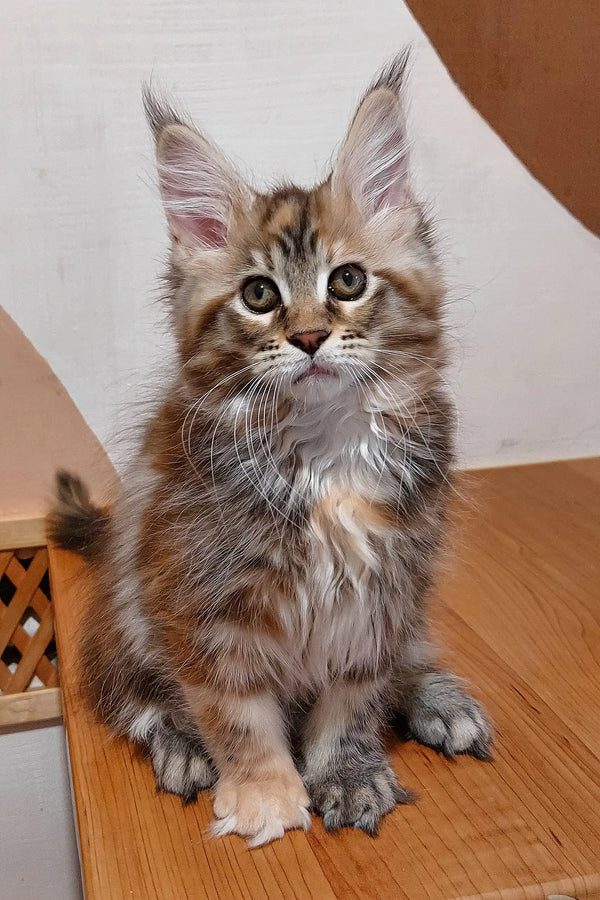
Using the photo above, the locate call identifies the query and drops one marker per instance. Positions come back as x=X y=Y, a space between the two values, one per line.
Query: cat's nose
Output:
x=309 y=341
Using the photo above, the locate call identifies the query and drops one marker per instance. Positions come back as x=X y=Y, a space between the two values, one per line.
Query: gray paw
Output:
x=180 y=763
x=359 y=799
x=444 y=717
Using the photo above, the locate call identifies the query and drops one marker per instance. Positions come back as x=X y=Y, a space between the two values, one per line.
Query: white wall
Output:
x=38 y=850
x=275 y=83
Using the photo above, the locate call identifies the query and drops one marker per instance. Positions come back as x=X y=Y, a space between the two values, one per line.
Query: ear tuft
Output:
x=393 y=75
x=160 y=111
x=372 y=165
x=199 y=187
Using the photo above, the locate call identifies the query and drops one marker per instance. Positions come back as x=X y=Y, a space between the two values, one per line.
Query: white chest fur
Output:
x=338 y=622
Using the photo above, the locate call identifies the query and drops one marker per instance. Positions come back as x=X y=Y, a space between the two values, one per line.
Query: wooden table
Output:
x=519 y=613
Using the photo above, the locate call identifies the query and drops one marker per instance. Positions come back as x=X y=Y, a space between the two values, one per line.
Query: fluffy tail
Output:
x=74 y=522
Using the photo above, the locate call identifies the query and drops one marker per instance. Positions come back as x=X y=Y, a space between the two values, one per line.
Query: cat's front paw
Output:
x=356 y=799
x=262 y=809
x=443 y=716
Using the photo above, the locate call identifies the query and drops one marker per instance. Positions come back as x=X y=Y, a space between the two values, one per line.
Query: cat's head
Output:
x=304 y=293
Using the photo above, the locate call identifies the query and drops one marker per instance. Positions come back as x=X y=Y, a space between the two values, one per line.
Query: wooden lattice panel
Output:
x=27 y=647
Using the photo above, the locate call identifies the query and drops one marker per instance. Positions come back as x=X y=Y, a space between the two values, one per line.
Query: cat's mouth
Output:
x=315 y=371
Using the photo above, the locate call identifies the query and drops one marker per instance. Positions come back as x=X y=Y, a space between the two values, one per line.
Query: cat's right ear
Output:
x=199 y=187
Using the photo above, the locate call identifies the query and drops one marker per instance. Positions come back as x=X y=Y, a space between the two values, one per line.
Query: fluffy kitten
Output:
x=261 y=583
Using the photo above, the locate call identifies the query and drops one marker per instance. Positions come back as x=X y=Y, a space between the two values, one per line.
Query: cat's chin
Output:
x=317 y=383
x=316 y=372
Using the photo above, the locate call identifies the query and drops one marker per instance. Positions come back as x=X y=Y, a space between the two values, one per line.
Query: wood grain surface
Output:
x=518 y=613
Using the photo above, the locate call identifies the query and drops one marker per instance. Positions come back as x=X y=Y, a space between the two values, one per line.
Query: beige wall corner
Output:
x=41 y=430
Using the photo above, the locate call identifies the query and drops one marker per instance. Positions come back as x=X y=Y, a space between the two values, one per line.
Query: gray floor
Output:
x=38 y=849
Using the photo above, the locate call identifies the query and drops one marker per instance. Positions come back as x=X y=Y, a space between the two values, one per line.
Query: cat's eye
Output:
x=261 y=295
x=347 y=282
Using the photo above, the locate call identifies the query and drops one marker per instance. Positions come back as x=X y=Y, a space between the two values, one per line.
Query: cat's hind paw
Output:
x=444 y=717
x=180 y=763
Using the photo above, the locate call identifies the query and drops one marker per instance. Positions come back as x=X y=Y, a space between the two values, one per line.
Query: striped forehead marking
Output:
x=289 y=226
x=291 y=244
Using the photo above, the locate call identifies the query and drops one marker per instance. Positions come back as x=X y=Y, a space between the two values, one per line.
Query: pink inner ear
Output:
x=390 y=187
x=190 y=227
x=194 y=192
x=193 y=230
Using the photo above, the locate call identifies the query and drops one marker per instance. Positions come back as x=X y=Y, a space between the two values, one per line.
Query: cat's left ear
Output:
x=199 y=186
x=372 y=165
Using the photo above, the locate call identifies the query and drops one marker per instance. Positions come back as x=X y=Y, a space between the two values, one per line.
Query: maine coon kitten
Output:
x=260 y=609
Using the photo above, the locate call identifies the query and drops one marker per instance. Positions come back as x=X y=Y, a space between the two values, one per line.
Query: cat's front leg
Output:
x=346 y=773
x=259 y=793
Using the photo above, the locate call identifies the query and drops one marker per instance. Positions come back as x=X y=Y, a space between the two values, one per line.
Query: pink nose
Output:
x=309 y=341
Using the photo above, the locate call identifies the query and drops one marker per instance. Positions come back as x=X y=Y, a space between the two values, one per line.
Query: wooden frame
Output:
x=20 y=532
x=30 y=707
x=19 y=706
